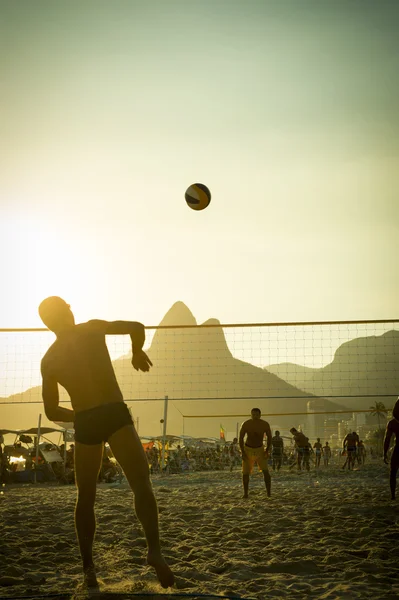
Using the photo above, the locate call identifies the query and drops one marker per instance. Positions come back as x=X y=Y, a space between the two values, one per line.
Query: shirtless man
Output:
x=79 y=361
x=318 y=447
x=350 y=444
x=326 y=454
x=253 y=451
x=392 y=429
x=278 y=451
x=303 y=449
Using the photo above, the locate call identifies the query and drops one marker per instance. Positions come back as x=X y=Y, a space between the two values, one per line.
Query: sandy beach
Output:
x=322 y=535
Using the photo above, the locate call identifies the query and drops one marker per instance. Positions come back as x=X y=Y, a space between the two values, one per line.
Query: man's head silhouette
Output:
x=56 y=314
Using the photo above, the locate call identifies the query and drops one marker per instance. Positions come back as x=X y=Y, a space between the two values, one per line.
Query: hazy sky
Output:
x=287 y=110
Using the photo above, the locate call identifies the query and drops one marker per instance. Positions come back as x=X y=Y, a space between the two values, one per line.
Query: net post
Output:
x=65 y=450
x=37 y=446
x=165 y=418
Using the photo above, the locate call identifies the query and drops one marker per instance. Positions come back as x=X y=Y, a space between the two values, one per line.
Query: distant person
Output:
x=233 y=453
x=393 y=429
x=361 y=453
x=326 y=454
x=318 y=448
x=79 y=361
x=350 y=446
x=303 y=449
x=253 y=451
x=277 y=451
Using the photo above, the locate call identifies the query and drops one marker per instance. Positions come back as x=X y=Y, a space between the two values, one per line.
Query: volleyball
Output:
x=198 y=196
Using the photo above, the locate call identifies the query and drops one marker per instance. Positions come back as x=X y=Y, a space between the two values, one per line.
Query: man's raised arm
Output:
x=133 y=328
x=140 y=360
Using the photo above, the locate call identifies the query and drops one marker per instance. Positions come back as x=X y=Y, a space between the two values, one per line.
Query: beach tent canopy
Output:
x=67 y=426
x=32 y=430
x=168 y=438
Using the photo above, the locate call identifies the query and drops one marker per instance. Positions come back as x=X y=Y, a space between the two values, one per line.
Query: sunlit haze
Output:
x=287 y=111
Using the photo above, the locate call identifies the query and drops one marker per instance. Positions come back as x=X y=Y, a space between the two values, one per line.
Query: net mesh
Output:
x=216 y=361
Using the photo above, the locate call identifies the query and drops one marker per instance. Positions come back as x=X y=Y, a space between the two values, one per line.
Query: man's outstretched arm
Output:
x=135 y=329
x=140 y=360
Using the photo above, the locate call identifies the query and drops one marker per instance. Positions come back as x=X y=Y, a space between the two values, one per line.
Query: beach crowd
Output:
x=287 y=453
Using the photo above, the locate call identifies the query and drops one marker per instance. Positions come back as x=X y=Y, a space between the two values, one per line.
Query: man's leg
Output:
x=88 y=459
x=392 y=476
x=245 y=483
x=268 y=481
x=128 y=451
x=247 y=466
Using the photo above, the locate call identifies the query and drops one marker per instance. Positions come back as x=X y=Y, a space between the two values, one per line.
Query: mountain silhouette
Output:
x=196 y=369
x=365 y=366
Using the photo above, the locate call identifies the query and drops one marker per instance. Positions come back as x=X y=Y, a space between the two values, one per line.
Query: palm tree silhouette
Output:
x=378 y=410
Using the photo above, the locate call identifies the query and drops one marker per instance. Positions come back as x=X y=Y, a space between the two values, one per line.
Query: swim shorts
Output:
x=254 y=455
x=96 y=425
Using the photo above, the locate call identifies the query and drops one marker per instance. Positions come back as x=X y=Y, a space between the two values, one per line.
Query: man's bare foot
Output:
x=245 y=496
x=90 y=578
x=164 y=573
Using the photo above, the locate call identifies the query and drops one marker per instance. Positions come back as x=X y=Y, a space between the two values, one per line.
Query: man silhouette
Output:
x=326 y=454
x=303 y=448
x=278 y=451
x=318 y=451
x=393 y=428
x=253 y=451
x=350 y=445
x=79 y=361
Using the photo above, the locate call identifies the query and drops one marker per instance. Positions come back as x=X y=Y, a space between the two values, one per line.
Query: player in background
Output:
x=303 y=449
x=79 y=361
x=253 y=451
x=318 y=448
x=326 y=454
x=350 y=446
x=361 y=453
x=277 y=451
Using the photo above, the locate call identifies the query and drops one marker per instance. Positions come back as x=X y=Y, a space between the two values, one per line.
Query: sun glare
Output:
x=41 y=261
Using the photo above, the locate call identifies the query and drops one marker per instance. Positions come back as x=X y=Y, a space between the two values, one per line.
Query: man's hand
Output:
x=385 y=459
x=140 y=361
x=244 y=455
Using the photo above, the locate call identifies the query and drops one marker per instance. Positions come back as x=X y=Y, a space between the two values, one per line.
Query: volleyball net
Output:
x=217 y=372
